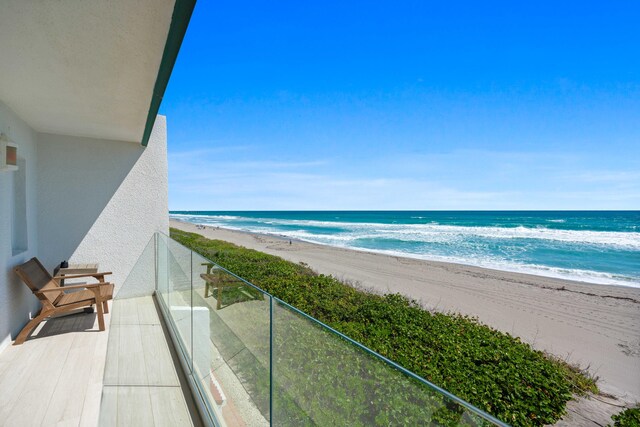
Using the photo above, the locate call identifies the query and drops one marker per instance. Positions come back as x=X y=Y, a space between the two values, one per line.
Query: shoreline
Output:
x=592 y=325
x=394 y=254
x=560 y=281
x=598 y=254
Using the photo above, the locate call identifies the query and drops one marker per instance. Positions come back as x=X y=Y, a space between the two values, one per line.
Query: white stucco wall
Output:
x=100 y=200
x=87 y=200
x=16 y=301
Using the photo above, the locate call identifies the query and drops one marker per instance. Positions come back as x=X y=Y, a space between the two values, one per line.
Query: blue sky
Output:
x=406 y=105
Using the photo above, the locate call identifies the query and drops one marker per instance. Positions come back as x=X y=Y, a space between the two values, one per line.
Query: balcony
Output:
x=189 y=342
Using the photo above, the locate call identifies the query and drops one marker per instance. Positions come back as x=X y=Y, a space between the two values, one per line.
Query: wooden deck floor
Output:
x=70 y=374
x=55 y=377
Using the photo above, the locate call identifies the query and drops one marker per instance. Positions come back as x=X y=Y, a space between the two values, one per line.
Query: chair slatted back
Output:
x=36 y=277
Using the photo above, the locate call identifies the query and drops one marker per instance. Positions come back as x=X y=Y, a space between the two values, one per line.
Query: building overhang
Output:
x=90 y=68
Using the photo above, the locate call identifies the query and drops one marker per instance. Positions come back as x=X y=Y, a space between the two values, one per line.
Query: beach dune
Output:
x=594 y=326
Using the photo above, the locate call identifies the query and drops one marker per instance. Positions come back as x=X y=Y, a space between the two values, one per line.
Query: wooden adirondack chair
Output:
x=55 y=299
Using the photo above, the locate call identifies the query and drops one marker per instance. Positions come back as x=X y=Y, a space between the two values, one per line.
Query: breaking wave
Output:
x=604 y=257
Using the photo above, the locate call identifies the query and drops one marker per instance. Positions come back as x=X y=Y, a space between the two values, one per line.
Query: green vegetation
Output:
x=628 y=418
x=490 y=369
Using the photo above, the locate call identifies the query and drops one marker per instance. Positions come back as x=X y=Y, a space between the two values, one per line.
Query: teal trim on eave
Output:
x=182 y=11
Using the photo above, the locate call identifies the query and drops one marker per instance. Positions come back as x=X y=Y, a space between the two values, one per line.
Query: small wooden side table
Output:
x=76 y=269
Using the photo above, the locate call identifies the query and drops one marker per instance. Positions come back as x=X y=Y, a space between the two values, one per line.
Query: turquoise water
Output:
x=596 y=247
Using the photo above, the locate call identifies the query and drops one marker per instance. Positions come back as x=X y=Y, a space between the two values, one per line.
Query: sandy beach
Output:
x=595 y=326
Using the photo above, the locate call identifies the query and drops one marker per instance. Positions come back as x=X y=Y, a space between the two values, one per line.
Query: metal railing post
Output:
x=271 y=388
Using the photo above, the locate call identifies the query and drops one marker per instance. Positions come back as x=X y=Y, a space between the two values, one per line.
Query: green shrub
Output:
x=490 y=369
x=628 y=418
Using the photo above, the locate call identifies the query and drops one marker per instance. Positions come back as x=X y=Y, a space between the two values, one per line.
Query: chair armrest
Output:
x=76 y=276
x=84 y=286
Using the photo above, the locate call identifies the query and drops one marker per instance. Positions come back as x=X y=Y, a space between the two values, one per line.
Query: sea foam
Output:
x=525 y=245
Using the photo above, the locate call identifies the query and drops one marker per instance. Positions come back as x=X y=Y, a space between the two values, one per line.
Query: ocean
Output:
x=590 y=246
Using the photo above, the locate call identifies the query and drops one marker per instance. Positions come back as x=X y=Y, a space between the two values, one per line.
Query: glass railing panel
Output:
x=142 y=277
x=322 y=378
x=162 y=267
x=231 y=335
x=131 y=307
x=138 y=358
x=178 y=301
x=255 y=360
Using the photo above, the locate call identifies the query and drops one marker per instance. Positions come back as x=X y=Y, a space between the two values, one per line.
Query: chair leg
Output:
x=24 y=333
x=105 y=306
x=100 y=315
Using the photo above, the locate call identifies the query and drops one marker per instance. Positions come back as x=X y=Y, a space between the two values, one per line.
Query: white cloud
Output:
x=457 y=180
